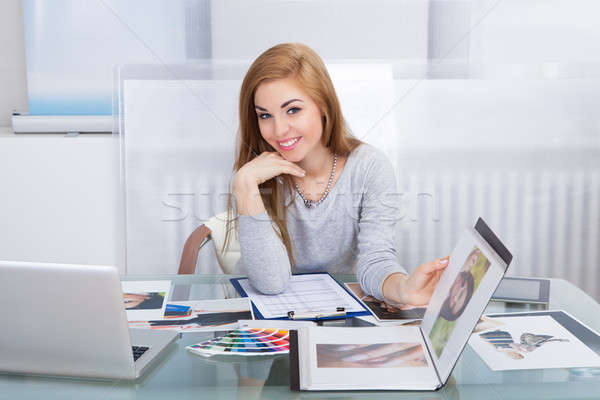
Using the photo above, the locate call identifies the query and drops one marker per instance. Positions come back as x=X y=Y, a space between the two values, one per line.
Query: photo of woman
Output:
x=144 y=301
x=386 y=311
x=464 y=286
x=460 y=294
x=386 y=355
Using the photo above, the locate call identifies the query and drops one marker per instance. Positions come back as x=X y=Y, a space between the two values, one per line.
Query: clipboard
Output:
x=318 y=315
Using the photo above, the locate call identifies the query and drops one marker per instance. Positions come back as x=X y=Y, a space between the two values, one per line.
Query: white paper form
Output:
x=308 y=293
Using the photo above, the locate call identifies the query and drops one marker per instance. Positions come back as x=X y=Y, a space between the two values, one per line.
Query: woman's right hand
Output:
x=264 y=167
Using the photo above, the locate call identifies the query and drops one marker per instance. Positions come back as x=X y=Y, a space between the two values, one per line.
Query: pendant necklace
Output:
x=312 y=203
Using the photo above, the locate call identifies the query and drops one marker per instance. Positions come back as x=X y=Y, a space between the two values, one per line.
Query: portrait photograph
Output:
x=464 y=286
x=379 y=355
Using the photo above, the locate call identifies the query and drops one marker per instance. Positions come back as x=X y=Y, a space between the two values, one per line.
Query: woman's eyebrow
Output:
x=289 y=101
x=282 y=106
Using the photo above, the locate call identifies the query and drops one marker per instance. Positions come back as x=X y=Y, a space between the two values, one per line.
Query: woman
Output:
x=460 y=294
x=464 y=286
x=308 y=195
x=143 y=301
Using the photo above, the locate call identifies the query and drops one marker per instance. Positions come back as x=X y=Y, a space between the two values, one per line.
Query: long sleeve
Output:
x=336 y=236
x=378 y=214
x=264 y=257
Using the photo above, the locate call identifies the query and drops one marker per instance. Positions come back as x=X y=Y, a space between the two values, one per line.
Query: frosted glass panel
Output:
x=523 y=154
x=485 y=108
x=72 y=45
x=178 y=162
x=178 y=141
x=554 y=31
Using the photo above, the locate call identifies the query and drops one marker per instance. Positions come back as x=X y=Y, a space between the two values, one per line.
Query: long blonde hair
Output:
x=302 y=63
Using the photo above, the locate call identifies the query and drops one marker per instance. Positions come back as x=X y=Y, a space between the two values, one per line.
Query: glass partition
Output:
x=481 y=113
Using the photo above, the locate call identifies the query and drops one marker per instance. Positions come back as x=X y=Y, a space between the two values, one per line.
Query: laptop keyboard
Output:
x=138 y=351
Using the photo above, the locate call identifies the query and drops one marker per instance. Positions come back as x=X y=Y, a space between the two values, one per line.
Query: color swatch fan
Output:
x=245 y=342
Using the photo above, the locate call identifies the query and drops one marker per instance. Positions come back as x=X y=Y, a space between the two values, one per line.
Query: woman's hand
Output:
x=264 y=167
x=417 y=288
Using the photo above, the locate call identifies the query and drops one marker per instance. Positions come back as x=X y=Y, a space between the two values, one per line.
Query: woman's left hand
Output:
x=415 y=289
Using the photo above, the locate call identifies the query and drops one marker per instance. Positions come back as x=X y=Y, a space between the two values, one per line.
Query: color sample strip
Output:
x=245 y=342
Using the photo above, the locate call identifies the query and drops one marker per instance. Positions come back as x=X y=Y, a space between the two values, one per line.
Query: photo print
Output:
x=144 y=301
x=384 y=311
x=380 y=355
x=464 y=286
x=200 y=315
x=503 y=342
x=532 y=342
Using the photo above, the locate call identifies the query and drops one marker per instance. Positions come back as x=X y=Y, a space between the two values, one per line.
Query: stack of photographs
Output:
x=383 y=311
x=199 y=316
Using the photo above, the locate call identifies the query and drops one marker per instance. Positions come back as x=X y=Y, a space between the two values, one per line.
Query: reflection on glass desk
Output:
x=183 y=375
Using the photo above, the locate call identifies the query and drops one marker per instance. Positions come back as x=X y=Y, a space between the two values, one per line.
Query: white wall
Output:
x=59 y=199
x=13 y=81
x=336 y=29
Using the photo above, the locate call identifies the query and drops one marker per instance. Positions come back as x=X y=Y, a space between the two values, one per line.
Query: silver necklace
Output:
x=311 y=203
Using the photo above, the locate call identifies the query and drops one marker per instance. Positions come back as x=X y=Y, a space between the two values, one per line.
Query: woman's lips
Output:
x=289 y=144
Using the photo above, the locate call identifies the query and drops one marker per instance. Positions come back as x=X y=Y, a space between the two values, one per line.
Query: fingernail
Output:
x=303 y=173
x=444 y=261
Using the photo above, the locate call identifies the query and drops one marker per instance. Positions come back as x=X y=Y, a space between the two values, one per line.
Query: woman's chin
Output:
x=292 y=156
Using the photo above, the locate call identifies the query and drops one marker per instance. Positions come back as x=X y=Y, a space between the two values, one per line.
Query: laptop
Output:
x=70 y=320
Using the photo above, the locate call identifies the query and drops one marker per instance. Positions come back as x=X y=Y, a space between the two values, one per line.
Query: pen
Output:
x=339 y=312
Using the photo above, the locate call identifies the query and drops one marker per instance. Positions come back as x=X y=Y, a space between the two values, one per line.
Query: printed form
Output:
x=308 y=293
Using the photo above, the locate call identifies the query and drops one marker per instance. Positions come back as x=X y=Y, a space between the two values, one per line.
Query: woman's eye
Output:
x=293 y=110
x=264 y=116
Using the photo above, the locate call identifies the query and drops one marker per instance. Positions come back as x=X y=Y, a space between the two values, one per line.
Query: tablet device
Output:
x=523 y=290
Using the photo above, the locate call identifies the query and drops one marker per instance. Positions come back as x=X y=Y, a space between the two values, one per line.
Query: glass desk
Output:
x=183 y=375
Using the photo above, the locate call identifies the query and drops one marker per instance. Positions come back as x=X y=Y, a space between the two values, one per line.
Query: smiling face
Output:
x=288 y=119
x=471 y=260
x=458 y=294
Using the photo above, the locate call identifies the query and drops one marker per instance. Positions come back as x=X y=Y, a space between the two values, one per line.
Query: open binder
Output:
x=406 y=357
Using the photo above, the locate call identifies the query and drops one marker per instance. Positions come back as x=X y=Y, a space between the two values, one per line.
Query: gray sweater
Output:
x=351 y=231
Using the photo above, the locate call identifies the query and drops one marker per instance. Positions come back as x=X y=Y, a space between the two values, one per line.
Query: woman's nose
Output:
x=282 y=128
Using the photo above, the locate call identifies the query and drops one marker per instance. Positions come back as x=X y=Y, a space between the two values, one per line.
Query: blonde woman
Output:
x=307 y=195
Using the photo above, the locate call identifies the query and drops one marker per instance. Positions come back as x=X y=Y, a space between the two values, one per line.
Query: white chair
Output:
x=212 y=231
